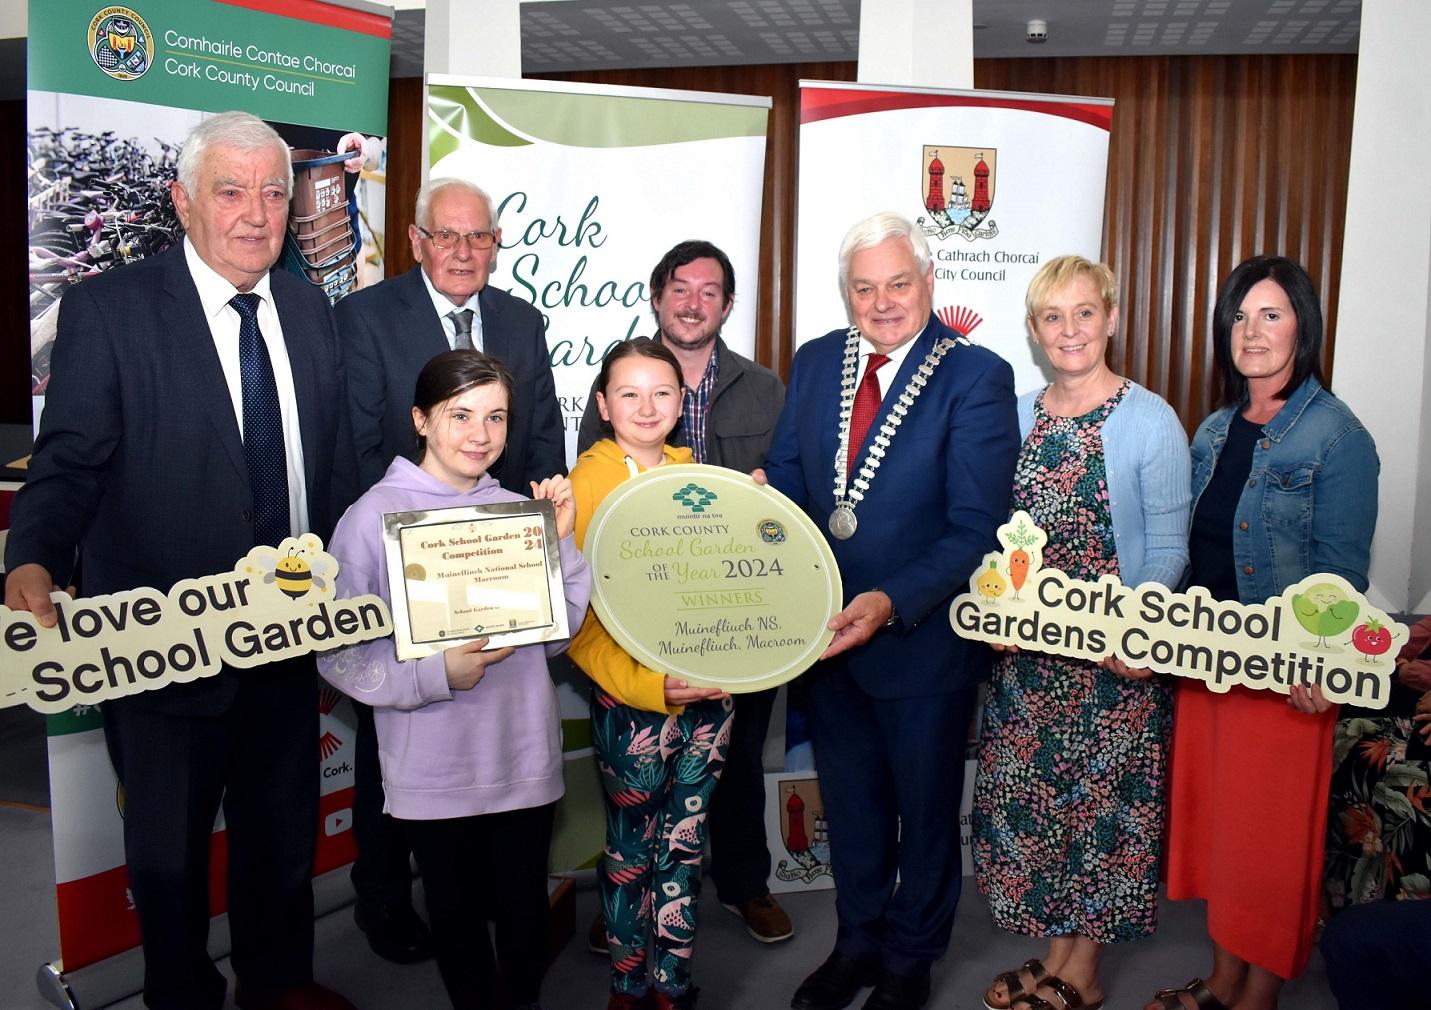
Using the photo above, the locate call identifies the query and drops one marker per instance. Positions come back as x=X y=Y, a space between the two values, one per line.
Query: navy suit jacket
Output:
x=932 y=509
x=390 y=331
x=139 y=462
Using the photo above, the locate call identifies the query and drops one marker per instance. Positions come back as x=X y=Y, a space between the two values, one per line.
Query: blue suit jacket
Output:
x=139 y=462
x=391 y=330
x=932 y=508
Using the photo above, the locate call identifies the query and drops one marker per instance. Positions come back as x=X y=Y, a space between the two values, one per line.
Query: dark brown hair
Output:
x=644 y=347
x=454 y=372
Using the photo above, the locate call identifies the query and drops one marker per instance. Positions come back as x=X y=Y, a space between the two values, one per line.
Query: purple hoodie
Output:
x=448 y=753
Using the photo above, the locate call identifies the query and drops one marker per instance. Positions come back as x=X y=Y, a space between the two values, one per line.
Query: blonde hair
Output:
x=1061 y=271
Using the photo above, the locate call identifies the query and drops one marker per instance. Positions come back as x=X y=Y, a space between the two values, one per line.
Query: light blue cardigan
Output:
x=1149 y=482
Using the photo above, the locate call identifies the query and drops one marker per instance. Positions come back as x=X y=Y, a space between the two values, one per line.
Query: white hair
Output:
x=879 y=228
x=241 y=130
x=434 y=186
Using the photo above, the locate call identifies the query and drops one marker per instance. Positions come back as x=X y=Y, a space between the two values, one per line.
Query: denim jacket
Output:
x=1310 y=500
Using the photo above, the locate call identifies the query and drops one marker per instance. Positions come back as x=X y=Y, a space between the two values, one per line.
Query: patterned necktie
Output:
x=462 y=320
x=262 y=428
x=867 y=400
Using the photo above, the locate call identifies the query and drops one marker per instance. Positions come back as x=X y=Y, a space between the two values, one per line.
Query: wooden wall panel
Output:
x=1212 y=159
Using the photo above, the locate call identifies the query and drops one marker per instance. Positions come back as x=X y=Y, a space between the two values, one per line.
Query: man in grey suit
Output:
x=196 y=409
x=389 y=332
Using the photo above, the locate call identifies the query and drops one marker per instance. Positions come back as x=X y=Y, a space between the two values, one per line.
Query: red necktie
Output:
x=867 y=400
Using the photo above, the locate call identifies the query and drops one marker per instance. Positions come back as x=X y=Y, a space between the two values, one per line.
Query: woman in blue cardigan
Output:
x=1068 y=804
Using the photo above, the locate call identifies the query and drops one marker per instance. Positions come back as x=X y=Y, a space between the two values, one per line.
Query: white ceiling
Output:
x=610 y=34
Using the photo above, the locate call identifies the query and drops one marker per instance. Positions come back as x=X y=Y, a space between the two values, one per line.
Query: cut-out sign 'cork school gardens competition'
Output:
x=1317 y=631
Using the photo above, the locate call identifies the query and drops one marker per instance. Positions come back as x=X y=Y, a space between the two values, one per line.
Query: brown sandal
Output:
x=1014 y=984
x=1070 y=997
x=1202 y=997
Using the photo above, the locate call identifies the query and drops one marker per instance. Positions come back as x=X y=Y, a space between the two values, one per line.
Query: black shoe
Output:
x=899 y=992
x=394 y=932
x=833 y=985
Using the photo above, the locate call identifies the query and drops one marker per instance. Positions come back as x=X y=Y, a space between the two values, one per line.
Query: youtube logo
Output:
x=338 y=821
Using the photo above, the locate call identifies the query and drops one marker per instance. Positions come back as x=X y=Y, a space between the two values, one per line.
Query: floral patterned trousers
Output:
x=658 y=772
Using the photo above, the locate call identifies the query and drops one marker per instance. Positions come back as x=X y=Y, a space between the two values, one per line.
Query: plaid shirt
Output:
x=696 y=408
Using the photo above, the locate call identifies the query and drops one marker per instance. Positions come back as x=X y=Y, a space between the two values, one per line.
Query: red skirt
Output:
x=1247 y=815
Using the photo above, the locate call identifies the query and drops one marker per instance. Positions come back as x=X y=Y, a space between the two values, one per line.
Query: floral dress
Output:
x=1068 y=803
x=1379 y=828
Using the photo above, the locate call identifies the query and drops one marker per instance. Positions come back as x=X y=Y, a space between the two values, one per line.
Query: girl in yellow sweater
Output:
x=660 y=743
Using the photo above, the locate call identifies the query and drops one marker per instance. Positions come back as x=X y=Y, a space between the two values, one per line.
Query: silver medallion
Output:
x=843 y=522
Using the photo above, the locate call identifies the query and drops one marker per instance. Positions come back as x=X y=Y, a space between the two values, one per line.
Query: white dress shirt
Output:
x=445 y=308
x=889 y=369
x=214 y=294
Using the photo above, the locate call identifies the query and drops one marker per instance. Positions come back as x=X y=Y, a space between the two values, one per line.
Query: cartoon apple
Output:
x=1372 y=639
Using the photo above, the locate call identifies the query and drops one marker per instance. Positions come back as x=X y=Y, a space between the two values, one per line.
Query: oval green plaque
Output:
x=701 y=573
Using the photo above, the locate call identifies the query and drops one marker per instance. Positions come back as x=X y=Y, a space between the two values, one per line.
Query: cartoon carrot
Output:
x=1019 y=559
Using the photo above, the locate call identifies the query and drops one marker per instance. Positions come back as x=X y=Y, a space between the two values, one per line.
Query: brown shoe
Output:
x=305 y=997
x=596 y=936
x=764 y=919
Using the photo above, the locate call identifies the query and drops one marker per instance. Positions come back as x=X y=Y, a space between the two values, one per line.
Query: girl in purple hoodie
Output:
x=468 y=741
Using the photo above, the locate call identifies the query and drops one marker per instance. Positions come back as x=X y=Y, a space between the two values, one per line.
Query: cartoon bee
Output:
x=295 y=575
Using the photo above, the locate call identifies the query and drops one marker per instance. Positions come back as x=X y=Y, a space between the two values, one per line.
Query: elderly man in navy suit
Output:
x=196 y=409
x=389 y=332
x=898 y=438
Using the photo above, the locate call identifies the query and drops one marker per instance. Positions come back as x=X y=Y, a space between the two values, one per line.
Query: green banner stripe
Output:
x=82 y=719
x=198 y=54
x=454 y=114
x=578 y=120
x=576 y=734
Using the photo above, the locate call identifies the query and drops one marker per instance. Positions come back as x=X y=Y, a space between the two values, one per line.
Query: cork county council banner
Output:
x=593 y=185
x=999 y=183
x=113 y=90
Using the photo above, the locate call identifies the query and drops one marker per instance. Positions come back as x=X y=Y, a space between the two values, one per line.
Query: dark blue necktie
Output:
x=262 y=428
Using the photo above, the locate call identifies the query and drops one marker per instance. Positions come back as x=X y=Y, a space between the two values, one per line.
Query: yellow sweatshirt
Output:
x=596 y=474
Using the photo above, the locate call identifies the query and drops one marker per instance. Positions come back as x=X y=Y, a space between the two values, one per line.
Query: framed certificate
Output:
x=458 y=574
x=700 y=573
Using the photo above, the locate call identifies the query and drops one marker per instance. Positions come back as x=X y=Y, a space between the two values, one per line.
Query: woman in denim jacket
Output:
x=1284 y=486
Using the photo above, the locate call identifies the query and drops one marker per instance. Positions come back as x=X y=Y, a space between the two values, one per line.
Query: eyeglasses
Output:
x=446 y=239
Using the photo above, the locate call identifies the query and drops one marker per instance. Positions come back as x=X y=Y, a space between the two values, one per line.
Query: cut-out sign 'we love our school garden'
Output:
x=1317 y=631
x=274 y=604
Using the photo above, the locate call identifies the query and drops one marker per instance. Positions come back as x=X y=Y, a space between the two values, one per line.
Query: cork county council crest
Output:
x=120 y=43
x=957 y=189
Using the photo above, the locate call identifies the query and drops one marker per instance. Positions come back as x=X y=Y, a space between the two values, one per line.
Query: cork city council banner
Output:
x=593 y=185
x=113 y=90
x=998 y=182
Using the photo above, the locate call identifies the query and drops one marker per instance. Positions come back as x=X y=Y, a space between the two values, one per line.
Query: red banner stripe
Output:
x=320 y=13
x=817 y=104
x=96 y=920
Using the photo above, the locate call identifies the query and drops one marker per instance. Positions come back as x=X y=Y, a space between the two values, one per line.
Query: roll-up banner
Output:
x=113 y=90
x=998 y=182
x=593 y=185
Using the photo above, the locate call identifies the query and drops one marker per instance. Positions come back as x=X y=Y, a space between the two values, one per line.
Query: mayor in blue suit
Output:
x=198 y=408
x=909 y=505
